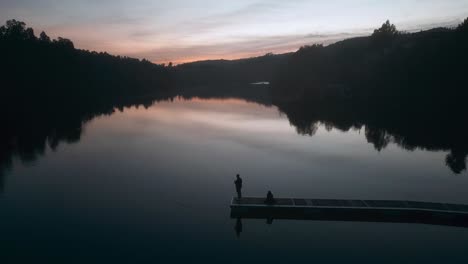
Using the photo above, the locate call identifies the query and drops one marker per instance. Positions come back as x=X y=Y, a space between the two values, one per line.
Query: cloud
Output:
x=199 y=25
x=247 y=47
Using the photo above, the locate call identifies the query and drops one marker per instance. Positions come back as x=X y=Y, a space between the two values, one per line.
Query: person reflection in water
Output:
x=270 y=199
x=238 y=183
x=238 y=227
x=269 y=221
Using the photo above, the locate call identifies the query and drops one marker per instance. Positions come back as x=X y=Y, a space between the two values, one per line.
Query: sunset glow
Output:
x=182 y=31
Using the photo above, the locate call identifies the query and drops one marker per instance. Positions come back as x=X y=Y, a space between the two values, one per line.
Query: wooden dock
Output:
x=352 y=210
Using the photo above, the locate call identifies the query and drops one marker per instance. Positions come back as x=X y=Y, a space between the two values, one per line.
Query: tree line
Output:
x=407 y=88
x=39 y=69
x=49 y=89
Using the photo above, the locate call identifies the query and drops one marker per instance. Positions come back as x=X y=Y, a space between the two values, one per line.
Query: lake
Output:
x=154 y=185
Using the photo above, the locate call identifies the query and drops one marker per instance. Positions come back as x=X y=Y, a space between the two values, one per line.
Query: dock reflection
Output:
x=352 y=210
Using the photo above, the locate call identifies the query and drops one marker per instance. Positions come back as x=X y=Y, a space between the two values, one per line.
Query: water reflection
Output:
x=161 y=178
x=384 y=211
x=27 y=137
x=28 y=134
x=238 y=227
x=409 y=133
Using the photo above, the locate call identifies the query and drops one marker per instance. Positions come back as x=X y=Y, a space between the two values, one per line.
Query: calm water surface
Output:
x=154 y=185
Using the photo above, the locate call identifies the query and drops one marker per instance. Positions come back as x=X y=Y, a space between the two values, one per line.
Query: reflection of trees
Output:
x=308 y=130
x=456 y=161
x=405 y=88
x=5 y=166
x=27 y=139
x=404 y=132
x=378 y=137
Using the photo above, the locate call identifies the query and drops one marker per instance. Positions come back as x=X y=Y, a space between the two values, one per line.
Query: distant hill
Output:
x=388 y=63
x=242 y=71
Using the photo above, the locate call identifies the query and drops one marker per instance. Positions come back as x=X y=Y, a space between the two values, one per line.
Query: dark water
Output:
x=154 y=185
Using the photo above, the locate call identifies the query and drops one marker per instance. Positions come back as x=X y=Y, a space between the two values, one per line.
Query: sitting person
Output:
x=270 y=199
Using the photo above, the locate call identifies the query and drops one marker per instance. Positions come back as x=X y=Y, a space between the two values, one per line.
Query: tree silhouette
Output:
x=64 y=43
x=311 y=48
x=387 y=29
x=16 y=30
x=383 y=36
x=463 y=26
x=44 y=38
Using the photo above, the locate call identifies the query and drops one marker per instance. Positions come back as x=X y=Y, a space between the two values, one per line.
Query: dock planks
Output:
x=352 y=210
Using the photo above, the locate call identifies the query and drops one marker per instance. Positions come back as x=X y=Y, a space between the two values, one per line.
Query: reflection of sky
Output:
x=184 y=30
x=156 y=183
x=216 y=138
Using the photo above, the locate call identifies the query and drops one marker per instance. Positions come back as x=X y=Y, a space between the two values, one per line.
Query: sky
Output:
x=189 y=30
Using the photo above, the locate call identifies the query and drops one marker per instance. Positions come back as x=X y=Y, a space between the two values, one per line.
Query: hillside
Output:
x=408 y=89
x=388 y=63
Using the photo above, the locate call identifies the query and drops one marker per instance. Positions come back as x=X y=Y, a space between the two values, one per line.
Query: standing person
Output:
x=238 y=183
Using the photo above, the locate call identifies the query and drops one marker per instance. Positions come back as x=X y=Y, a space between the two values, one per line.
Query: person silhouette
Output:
x=270 y=199
x=269 y=220
x=238 y=183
